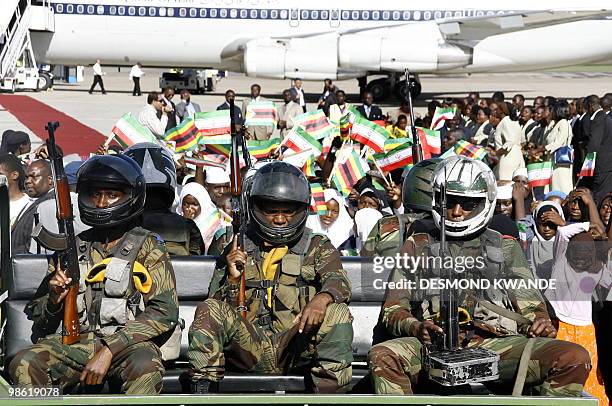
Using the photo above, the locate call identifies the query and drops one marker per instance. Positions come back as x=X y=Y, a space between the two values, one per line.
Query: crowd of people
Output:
x=557 y=230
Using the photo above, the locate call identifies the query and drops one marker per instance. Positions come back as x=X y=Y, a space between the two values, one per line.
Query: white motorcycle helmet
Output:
x=472 y=180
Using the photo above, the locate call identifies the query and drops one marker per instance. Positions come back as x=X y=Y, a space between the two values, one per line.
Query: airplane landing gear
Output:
x=383 y=88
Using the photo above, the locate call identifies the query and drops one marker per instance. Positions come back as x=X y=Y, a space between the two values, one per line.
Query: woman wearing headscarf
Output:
x=336 y=223
x=195 y=204
x=605 y=209
x=580 y=275
x=547 y=216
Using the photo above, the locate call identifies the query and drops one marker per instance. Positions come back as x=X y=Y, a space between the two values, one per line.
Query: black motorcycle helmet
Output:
x=114 y=172
x=417 y=191
x=279 y=182
x=159 y=171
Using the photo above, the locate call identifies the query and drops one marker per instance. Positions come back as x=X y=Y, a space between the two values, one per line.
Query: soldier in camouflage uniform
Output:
x=296 y=295
x=390 y=232
x=556 y=368
x=127 y=302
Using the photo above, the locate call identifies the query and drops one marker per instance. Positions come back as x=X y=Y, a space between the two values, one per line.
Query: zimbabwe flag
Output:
x=263 y=149
x=317 y=199
x=347 y=173
x=184 y=136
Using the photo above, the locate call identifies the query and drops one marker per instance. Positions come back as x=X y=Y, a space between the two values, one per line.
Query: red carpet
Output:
x=72 y=136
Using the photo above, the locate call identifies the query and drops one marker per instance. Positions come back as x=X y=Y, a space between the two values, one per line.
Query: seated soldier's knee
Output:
x=382 y=357
x=572 y=354
x=141 y=362
x=29 y=367
x=337 y=313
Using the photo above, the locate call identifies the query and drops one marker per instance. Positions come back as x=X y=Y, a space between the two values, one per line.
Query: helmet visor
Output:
x=470 y=205
x=98 y=196
x=278 y=214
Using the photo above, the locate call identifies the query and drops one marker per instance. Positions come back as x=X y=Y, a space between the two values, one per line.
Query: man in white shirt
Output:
x=149 y=118
x=97 y=71
x=298 y=94
x=135 y=74
x=12 y=168
x=287 y=112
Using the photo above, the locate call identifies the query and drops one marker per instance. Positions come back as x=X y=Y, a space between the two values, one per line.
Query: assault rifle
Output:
x=239 y=214
x=417 y=148
x=445 y=361
x=64 y=243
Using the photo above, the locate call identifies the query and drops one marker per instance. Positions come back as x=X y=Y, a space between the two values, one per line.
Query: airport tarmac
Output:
x=100 y=112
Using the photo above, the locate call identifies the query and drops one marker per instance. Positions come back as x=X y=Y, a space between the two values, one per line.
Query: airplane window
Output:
x=396 y=15
x=274 y=14
x=355 y=15
x=375 y=15
x=294 y=14
x=203 y=13
x=244 y=13
x=132 y=11
x=284 y=14
x=314 y=15
x=152 y=11
x=448 y=14
x=501 y=12
x=365 y=15
x=193 y=12
x=253 y=14
x=59 y=8
x=70 y=8
x=438 y=14
x=80 y=9
x=305 y=15
x=100 y=10
x=406 y=15
x=162 y=11
x=90 y=9
x=335 y=14
x=170 y=12
x=479 y=13
x=213 y=12
x=458 y=14
x=121 y=10
x=142 y=11
x=182 y=12
x=264 y=13
x=490 y=13
x=223 y=13
x=112 y=10
x=427 y=15
x=417 y=15
x=386 y=15
x=346 y=15
x=233 y=13
x=324 y=14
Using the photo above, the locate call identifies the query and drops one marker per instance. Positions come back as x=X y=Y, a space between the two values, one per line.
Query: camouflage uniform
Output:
x=137 y=366
x=557 y=368
x=387 y=236
x=267 y=340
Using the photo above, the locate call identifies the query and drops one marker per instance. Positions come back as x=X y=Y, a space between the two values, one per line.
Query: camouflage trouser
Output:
x=135 y=370
x=556 y=368
x=219 y=335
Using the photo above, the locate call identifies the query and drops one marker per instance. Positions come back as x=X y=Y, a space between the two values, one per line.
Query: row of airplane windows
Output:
x=273 y=14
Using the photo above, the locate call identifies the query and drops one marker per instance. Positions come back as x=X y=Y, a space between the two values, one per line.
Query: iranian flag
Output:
x=588 y=167
x=441 y=115
x=213 y=123
x=314 y=123
x=128 y=131
x=539 y=173
x=299 y=140
x=370 y=134
x=261 y=113
x=397 y=158
x=430 y=141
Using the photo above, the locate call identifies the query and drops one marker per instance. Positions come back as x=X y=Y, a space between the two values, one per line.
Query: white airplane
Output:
x=318 y=39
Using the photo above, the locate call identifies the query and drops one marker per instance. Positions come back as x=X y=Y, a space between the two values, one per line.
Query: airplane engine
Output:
x=418 y=47
x=290 y=59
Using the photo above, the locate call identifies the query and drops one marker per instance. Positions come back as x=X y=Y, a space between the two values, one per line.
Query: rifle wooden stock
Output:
x=237 y=210
x=68 y=261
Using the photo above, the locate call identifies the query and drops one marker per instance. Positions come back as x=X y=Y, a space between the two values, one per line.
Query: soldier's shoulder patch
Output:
x=389 y=224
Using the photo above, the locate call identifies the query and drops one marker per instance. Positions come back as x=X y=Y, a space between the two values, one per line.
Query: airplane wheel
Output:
x=379 y=89
x=415 y=89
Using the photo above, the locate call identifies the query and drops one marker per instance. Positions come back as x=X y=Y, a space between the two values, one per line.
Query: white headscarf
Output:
x=365 y=219
x=542 y=250
x=206 y=205
x=341 y=229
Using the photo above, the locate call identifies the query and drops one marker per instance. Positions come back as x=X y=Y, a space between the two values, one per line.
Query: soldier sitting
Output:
x=296 y=295
x=125 y=317
x=503 y=321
